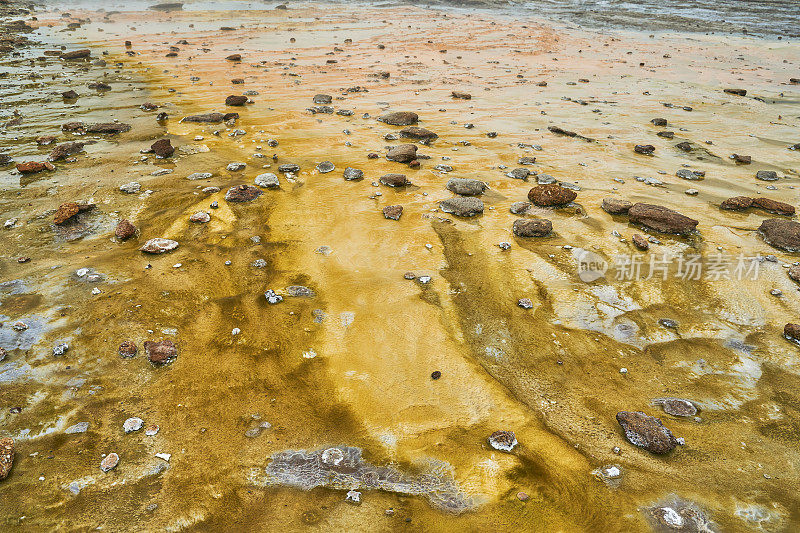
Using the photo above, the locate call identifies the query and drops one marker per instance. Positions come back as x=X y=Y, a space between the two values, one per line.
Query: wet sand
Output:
x=351 y=366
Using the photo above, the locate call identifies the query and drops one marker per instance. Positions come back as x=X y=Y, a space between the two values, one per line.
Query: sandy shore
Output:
x=350 y=365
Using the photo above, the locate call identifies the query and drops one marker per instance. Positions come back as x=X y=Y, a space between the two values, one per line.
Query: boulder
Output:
x=782 y=234
x=551 y=194
x=236 y=100
x=767 y=175
x=267 y=180
x=162 y=148
x=34 y=167
x=125 y=230
x=661 y=219
x=773 y=206
x=323 y=99
x=403 y=153
x=466 y=186
x=68 y=210
x=646 y=432
x=526 y=227
x=462 y=206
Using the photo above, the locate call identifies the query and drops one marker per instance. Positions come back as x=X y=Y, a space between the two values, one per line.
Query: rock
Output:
x=236 y=100
x=33 y=167
x=199 y=176
x=666 y=134
x=794 y=272
x=525 y=303
x=63 y=151
x=615 y=206
x=792 y=332
x=323 y=99
x=73 y=127
x=466 y=186
x=267 y=181
x=162 y=148
x=685 y=146
x=403 y=153
x=646 y=432
x=69 y=95
x=538 y=227
x=519 y=173
x=640 y=242
x=519 y=208
x=234 y=57
x=161 y=352
x=462 y=206
x=131 y=188
x=527 y=160
x=289 y=167
x=159 y=245
x=736 y=203
x=132 y=424
x=299 y=291
x=394 y=180
x=773 y=206
x=325 y=166
x=767 y=175
x=127 y=349
x=400 y=118
x=109 y=462
x=742 y=159
x=75 y=429
x=60 y=349
x=207 y=118
x=6 y=456
x=688 y=174
x=461 y=95
x=393 y=212
x=504 y=441
x=201 y=217
x=422 y=134
x=668 y=323
x=68 y=210
x=737 y=92
x=235 y=167
x=110 y=128
x=659 y=122
x=661 y=219
x=243 y=193
x=124 y=230
x=783 y=234
x=646 y=149
x=677 y=406
x=551 y=195
x=272 y=297
x=76 y=54
x=3 y=354
x=353 y=174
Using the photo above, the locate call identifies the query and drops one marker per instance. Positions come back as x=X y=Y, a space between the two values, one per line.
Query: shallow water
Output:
x=349 y=368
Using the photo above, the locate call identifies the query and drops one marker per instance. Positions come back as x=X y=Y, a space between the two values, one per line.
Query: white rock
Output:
x=133 y=424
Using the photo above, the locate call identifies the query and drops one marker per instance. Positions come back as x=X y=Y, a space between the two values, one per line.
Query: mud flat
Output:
x=373 y=273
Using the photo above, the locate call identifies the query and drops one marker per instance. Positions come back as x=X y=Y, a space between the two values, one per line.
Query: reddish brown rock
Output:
x=109 y=128
x=72 y=127
x=234 y=57
x=783 y=234
x=646 y=432
x=128 y=349
x=736 y=203
x=461 y=95
x=794 y=272
x=109 y=462
x=773 y=206
x=615 y=206
x=236 y=100
x=538 y=227
x=645 y=149
x=640 y=242
x=63 y=151
x=125 y=230
x=206 y=118
x=415 y=132
x=161 y=352
x=44 y=140
x=403 y=153
x=393 y=212
x=741 y=159
x=6 y=456
x=394 y=180
x=162 y=148
x=243 y=193
x=34 y=167
x=551 y=194
x=400 y=118
x=661 y=218
x=76 y=54
x=792 y=331
x=68 y=210
x=737 y=92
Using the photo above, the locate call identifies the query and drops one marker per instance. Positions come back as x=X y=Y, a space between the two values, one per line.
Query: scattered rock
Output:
x=243 y=193
x=783 y=234
x=267 y=181
x=63 y=151
x=742 y=159
x=737 y=92
x=461 y=95
x=519 y=208
x=646 y=432
x=201 y=217
x=677 y=406
x=400 y=118
x=234 y=57
x=525 y=227
x=688 y=174
x=551 y=195
x=736 y=203
x=159 y=245
x=615 y=206
x=109 y=128
x=504 y=441
x=6 y=456
x=68 y=210
x=34 y=167
x=353 y=174
x=640 y=242
x=403 y=153
x=767 y=175
x=162 y=148
x=289 y=167
x=659 y=122
x=325 y=166
x=393 y=212
x=127 y=349
x=794 y=272
x=422 y=134
x=236 y=100
x=773 y=206
x=394 y=180
x=76 y=54
x=207 y=118
x=462 y=206
x=109 y=462
x=466 y=186
x=199 y=176
x=160 y=352
x=645 y=149
x=323 y=99
x=661 y=219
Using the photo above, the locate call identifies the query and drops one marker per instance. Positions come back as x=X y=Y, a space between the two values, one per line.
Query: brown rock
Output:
x=68 y=210
x=640 y=242
x=393 y=212
x=615 y=206
x=72 y=127
x=6 y=456
x=677 y=406
x=415 y=132
x=44 y=140
x=3 y=353
x=742 y=159
x=400 y=118
x=736 y=203
x=110 y=128
x=109 y=462
x=551 y=194
x=773 y=206
x=783 y=234
x=69 y=95
x=646 y=149
x=737 y=92
x=243 y=193
x=125 y=230
x=461 y=95
x=403 y=153
x=234 y=57
x=394 y=180
x=76 y=54
x=794 y=272
x=539 y=227
x=646 y=432
x=661 y=219
x=162 y=148
x=792 y=331
x=62 y=151
x=161 y=352
x=128 y=349
x=207 y=118
x=33 y=167
x=236 y=100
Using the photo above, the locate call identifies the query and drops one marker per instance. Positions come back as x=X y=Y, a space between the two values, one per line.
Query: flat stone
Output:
x=677 y=406
x=782 y=234
x=267 y=180
x=661 y=219
x=400 y=118
x=127 y=349
x=615 y=206
x=736 y=203
x=394 y=180
x=393 y=212
x=353 y=174
x=199 y=176
x=235 y=100
x=646 y=432
x=526 y=227
x=159 y=245
x=161 y=352
x=505 y=441
x=243 y=193
x=551 y=195
x=109 y=462
x=462 y=206
x=415 y=132
x=640 y=242
x=403 y=153
x=767 y=175
x=466 y=186
x=133 y=424
x=201 y=217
